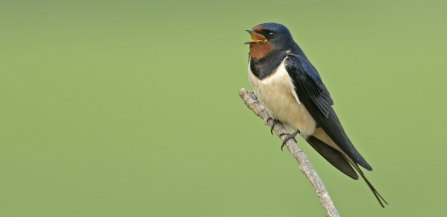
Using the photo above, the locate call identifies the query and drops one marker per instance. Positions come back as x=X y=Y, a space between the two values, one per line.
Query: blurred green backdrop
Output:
x=130 y=108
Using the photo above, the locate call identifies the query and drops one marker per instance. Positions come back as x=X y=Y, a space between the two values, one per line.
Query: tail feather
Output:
x=375 y=192
x=343 y=163
x=333 y=156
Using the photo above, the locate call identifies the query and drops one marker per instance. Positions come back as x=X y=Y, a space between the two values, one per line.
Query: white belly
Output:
x=277 y=94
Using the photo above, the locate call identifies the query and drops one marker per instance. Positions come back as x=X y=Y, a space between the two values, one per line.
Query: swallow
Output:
x=291 y=90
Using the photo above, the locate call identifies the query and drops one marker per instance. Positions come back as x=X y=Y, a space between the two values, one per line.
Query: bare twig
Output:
x=305 y=166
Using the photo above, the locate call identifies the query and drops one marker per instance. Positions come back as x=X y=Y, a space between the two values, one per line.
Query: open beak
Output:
x=255 y=37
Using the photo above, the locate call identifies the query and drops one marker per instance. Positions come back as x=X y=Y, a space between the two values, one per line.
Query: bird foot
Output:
x=253 y=95
x=288 y=137
x=273 y=125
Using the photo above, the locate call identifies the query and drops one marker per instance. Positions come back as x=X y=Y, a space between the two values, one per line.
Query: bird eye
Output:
x=271 y=34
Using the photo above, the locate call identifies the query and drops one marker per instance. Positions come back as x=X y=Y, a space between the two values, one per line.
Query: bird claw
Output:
x=288 y=137
x=253 y=95
x=273 y=125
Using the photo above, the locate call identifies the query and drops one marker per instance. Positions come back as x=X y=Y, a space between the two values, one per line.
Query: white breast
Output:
x=276 y=92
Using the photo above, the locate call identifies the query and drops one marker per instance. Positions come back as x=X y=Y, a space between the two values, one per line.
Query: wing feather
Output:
x=316 y=98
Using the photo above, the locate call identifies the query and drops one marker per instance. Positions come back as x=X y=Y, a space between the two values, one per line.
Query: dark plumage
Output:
x=291 y=89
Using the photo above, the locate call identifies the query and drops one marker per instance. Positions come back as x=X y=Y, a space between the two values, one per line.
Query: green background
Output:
x=131 y=108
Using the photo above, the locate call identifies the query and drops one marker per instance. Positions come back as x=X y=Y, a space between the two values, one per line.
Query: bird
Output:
x=290 y=88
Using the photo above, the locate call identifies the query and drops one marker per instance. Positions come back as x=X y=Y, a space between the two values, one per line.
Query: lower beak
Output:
x=255 y=37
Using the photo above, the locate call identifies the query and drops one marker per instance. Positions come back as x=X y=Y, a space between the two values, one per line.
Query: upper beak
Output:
x=255 y=37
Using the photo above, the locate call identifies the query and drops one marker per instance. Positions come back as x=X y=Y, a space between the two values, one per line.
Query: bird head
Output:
x=267 y=37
